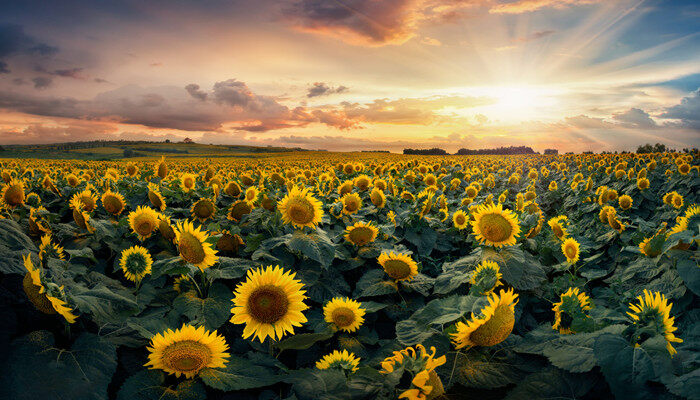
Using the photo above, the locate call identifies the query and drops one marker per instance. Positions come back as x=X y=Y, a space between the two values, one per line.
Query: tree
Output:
x=128 y=153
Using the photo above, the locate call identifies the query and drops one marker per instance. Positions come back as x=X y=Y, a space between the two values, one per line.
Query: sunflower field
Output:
x=304 y=276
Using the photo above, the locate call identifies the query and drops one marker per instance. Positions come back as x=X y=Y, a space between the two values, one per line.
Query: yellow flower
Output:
x=643 y=183
x=50 y=250
x=186 y=351
x=652 y=246
x=155 y=197
x=625 y=202
x=12 y=194
x=81 y=218
x=653 y=310
x=345 y=314
x=192 y=245
x=460 y=220
x=570 y=249
x=238 y=210
x=136 y=263
x=300 y=208
x=361 y=234
x=39 y=296
x=203 y=209
x=571 y=303
x=486 y=277
x=421 y=364
x=161 y=168
x=677 y=201
x=492 y=325
x=558 y=225
x=143 y=222
x=398 y=266
x=251 y=194
x=270 y=303
x=113 y=202
x=494 y=226
x=378 y=198
x=339 y=359
x=351 y=203
x=188 y=182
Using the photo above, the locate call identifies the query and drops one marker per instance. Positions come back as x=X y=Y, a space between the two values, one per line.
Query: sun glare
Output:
x=520 y=103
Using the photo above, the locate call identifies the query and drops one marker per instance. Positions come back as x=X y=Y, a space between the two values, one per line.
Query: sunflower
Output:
x=684 y=168
x=351 y=203
x=603 y=214
x=344 y=314
x=570 y=249
x=72 y=180
x=460 y=220
x=420 y=364
x=192 y=245
x=229 y=242
x=131 y=169
x=492 y=325
x=339 y=359
x=572 y=307
x=391 y=216
x=188 y=182
x=232 y=189
x=155 y=197
x=161 y=168
x=653 y=312
x=13 y=193
x=270 y=303
x=47 y=249
x=558 y=225
x=203 y=209
x=165 y=228
x=486 y=277
x=398 y=266
x=251 y=194
x=361 y=234
x=88 y=199
x=362 y=182
x=186 y=351
x=553 y=186
x=37 y=223
x=345 y=187
x=652 y=246
x=143 y=222
x=377 y=197
x=238 y=210
x=625 y=202
x=81 y=218
x=677 y=201
x=495 y=226
x=135 y=263
x=300 y=208
x=113 y=202
x=40 y=297
x=643 y=184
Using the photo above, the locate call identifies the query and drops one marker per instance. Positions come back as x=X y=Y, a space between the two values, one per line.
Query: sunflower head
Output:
x=165 y=228
x=652 y=246
x=143 y=222
x=203 y=209
x=188 y=182
x=270 y=303
x=378 y=198
x=136 y=263
x=186 y=351
x=13 y=193
x=229 y=242
x=113 y=202
x=155 y=197
x=47 y=299
x=398 y=266
x=676 y=201
x=643 y=184
x=238 y=210
x=570 y=313
x=558 y=225
x=570 y=248
x=193 y=247
x=362 y=182
x=625 y=202
x=460 y=219
x=361 y=234
x=300 y=208
x=131 y=169
x=490 y=326
x=232 y=189
x=47 y=249
x=81 y=218
x=486 y=277
x=494 y=226
x=342 y=360
x=88 y=199
x=344 y=314
x=251 y=194
x=651 y=316
x=161 y=168
x=351 y=203
x=420 y=366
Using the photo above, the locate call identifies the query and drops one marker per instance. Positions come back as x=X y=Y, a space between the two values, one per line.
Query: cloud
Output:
x=687 y=112
x=322 y=89
x=534 y=36
x=635 y=118
x=525 y=6
x=42 y=82
x=44 y=133
x=411 y=111
x=3 y=68
x=194 y=91
x=13 y=41
x=586 y=122
x=431 y=41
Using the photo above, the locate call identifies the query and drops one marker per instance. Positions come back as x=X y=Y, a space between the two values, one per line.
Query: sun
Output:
x=519 y=102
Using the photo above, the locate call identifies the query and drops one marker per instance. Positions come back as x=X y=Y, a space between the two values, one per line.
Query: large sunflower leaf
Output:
x=13 y=245
x=239 y=374
x=149 y=385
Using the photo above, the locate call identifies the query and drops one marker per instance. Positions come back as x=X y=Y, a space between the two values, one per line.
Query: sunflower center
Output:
x=351 y=205
x=112 y=204
x=300 y=211
x=187 y=356
x=191 y=248
x=496 y=329
x=88 y=203
x=361 y=235
x=14 y=195
x=570 y=251
x=495 y=228
x=144 y=225
x=268 y=304
x=204 y=209
x=397 y=269
x=460 y=220
x=343 y=316
x=155 y=200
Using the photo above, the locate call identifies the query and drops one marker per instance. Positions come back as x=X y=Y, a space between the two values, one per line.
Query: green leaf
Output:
x=314 y=384
x=239 y=374
x=552 y=383
x=211 y=311
x=149 y=385
x=316 y=246
x=169 y=266
x=626 y=368
x=13 y=245
x=230 y=268
x=484 y=373
x=521 y=269
x=85 y=253
x=687 y=385
x=37 y=369
x=303 y=341
x=411 y=332
x=690 y=273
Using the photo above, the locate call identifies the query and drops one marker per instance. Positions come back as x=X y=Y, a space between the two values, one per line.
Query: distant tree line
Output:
x=649 y=148
x=498 y=151
x=426 y=152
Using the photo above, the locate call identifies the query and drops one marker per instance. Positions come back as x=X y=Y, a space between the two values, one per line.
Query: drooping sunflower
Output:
x=377 y=197
x=344 y=314
x=239 y=209
x=571 y=308
x=351 y=203
x=300 y=208
x=88 y=199
x=270 y=303
x=13 y=193
x=420 y=364
x=203 y=209
x=625 y=202
x=652 y=246
x=155 y=197
x=188 y=182
x=229 y=242
x=460 y=220
x=398 y=266
x=486 y=277
x=558 y=225
x=47 y=249
x=490 y=326
x=113 y=202
x=81 y=218
x=232 y=189
x=186 y=351
x=48 y=303
x=192 y=245
x=143 y=222
x=136 y=263
x=653 y=311
x=570 y=248
x=161 y=168
x=343 y=360
x=361 y=234
x=165 y=228
x=494 y=226
x=37 y=223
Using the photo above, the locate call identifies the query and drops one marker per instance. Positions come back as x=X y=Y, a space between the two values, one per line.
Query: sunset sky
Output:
x=353 y=74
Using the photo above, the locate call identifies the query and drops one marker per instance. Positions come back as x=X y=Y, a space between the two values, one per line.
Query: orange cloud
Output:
x=524 y=6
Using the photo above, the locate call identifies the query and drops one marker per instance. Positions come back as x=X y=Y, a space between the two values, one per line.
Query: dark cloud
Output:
x=3 y=68
x=19 y=81
x=74 y=73
x=233 y=93
x=635 y=118
x=42 y=82
x=322 y=89
x=100 y=80
x=688 y=111
x=13 y=41
x=194 y=91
